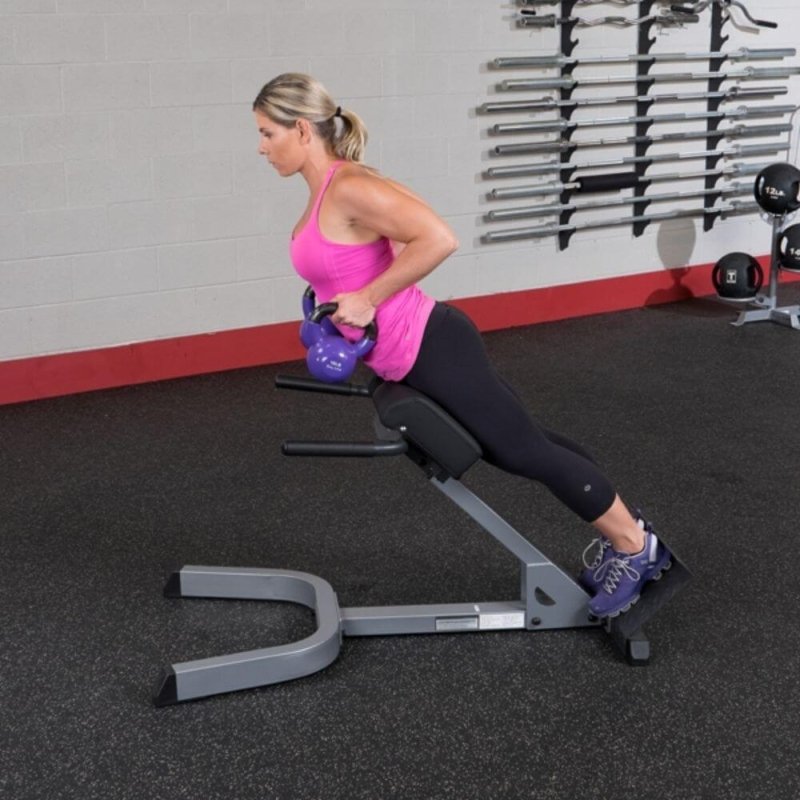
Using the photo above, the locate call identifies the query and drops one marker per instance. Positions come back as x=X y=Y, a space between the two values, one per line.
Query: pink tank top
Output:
x=333 y=268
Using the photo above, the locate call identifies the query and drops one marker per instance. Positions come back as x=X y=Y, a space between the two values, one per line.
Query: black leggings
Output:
x=453 y=369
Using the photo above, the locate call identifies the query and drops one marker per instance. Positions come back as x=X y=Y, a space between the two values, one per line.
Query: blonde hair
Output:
x=293 y=95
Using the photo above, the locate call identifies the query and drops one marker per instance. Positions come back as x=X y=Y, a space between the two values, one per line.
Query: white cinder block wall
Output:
x=134 y=205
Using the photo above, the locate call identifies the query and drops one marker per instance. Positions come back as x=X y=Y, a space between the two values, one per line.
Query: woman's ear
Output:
x=304 y=128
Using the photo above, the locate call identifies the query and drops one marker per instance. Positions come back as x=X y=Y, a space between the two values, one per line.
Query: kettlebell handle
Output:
x=309 y=301
x=326 y=309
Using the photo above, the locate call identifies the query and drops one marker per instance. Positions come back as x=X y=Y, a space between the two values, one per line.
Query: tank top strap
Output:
x=325 y=184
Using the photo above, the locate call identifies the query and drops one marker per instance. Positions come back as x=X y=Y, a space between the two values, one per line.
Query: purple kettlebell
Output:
x=332 y=358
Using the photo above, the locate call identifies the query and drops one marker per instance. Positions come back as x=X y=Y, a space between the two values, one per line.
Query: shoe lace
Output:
x=602 y=544
x=610 y=573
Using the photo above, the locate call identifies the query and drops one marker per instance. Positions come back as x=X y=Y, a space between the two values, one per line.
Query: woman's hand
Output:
x=354 y=310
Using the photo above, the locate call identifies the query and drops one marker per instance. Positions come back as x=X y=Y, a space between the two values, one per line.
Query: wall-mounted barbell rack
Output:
x=719 y=91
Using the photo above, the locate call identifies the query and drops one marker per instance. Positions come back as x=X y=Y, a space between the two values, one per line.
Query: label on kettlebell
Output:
x=502 y=621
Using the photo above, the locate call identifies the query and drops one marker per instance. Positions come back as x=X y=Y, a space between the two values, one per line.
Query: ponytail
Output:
x=351 y=141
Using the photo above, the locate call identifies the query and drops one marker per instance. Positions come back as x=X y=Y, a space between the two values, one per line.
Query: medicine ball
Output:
x=737 y=276
x=789 y=249
x=776 y=188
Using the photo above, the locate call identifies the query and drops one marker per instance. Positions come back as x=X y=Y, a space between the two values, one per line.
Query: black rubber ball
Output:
x=737 y=276
x=776 y=188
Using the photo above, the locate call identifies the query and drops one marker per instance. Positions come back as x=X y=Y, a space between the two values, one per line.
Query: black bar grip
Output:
x=607 y=183
x=348 y=449
x=313 y=385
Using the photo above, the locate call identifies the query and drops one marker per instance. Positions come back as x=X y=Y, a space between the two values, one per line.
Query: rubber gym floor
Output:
x=694 y=420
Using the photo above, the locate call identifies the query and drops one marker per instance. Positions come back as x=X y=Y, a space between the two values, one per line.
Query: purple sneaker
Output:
x=589 y=578
x=621 y=576
x=602 y=552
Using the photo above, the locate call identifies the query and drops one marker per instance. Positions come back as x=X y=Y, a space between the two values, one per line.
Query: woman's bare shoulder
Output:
x=358 y=177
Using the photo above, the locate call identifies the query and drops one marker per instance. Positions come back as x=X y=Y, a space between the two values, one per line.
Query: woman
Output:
x=364 y=242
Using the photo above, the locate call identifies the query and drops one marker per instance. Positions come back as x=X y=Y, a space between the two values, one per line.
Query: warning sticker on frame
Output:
x=502 y=621
x=444 y=624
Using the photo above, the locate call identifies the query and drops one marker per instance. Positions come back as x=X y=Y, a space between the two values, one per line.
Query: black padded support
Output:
x=427 y=426
x=626 y=630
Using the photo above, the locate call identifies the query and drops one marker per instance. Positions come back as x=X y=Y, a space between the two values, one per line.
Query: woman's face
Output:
x=281 y=146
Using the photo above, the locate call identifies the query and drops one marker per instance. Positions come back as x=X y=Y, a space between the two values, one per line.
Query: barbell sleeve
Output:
x=560 y=60
x=736 y=132
x=526 y=212
x=622 y=180
x=554 y=126
x=548 y=103
x=550 y=167
x=747 y=74
x=550 y=229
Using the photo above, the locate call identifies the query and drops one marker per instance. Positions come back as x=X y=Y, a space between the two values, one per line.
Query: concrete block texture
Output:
x=12 y=236
x=200 y=264
x=354 y=76
x=94 y=323
x=188 y=84
x=238 y=305
x=117 y=180
x=301 y=33
x=30 y=90
x=93 y=87
x=262 y=257
x=392 y=31
x=59 y=39
x=15 y=334
x=7 y=55
x=65 y=137
x=148 y=223
x=29 y=187
x=188 y=6
x=134 y=204
x=149 y=132
x=100 y=6
x=28 y=6
x=65 y=231
x=192 y=175
x=10 y=141
x=228 y=127
x=151 y=37
x=113 y=273
x=234 y=216
x=230 y=35
x=249 y=75
x=35 y=281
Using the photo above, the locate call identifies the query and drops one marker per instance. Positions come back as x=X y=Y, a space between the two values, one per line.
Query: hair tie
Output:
x=338 y=111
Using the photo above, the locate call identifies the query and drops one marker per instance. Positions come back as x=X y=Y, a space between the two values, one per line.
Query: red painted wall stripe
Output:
x=69 y=373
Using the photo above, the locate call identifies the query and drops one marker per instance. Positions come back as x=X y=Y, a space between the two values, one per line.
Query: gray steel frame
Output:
x=549 y=599
x=766 y=308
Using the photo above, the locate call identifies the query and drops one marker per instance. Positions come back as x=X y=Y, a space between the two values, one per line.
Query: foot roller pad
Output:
x=626 y=629
x=209 y=676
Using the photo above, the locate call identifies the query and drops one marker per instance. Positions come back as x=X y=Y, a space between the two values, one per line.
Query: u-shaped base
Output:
x=193 y=679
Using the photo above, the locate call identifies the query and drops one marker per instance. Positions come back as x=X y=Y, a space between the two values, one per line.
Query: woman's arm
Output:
x=388 y=209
